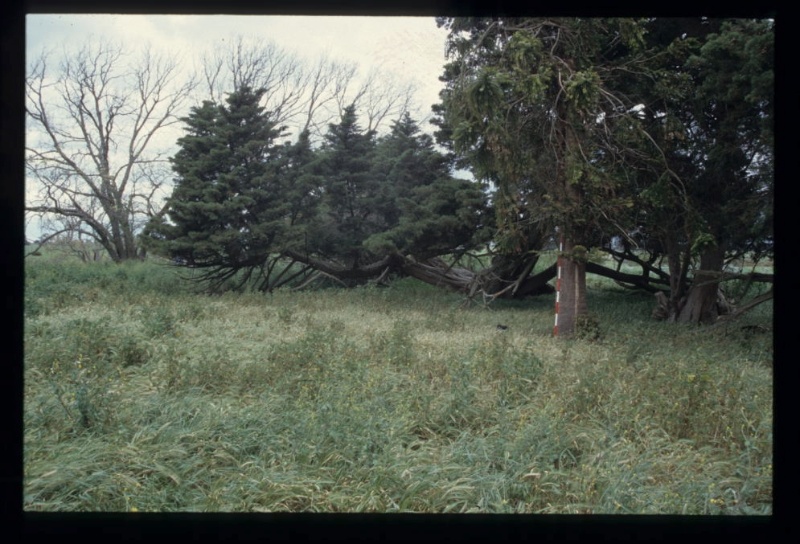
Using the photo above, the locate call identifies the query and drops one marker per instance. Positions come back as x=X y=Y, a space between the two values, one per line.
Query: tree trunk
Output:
x=678 y=263
x=572 y=302
x=701 y=301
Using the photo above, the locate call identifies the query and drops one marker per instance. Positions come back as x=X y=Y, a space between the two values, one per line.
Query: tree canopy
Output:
x=711 y=115
x=354 y=207
x=643 y=130
x=536 y=106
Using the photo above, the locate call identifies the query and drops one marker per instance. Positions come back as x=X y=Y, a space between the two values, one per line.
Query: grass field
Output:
x=142 y=395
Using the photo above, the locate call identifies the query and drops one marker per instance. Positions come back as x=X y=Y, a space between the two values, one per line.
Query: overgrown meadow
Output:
x=142 y=394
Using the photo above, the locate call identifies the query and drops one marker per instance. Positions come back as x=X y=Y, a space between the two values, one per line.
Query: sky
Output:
x=410 y=49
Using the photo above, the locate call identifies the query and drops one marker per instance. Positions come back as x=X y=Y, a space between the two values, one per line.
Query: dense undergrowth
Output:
x=143 y=395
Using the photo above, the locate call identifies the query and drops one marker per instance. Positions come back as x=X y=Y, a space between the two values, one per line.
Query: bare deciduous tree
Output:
x=305 y=96
x=257 y=64
x=91 y=126
x=384 y=96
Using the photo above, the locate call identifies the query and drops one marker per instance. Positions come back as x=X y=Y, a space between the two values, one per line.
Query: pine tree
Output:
x=302 y=191
x=427 y=212
x=350 y=190
x=227 y=211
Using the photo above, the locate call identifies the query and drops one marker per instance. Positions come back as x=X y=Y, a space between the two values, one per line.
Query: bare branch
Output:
x=385 y=97
x=78 y=117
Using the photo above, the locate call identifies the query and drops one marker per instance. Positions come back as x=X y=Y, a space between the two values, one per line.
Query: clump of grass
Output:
x=159 y=321
x=395 y=346
x=587 y=327
x=81 y=390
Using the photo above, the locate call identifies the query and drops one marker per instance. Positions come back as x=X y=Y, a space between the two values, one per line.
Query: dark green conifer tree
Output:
x=227 y=212
x=427 y=211
x=351 y=191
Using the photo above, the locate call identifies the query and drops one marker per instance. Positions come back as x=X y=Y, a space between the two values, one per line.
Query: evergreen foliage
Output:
x=709 y=199
x=657 y=131
x=226 y=210
x=351 y=190
x=242 y=202
x=606 y=127
x=428 y=212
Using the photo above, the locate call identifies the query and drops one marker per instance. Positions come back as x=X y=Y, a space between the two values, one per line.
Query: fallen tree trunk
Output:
x=436 y=271
x=633 y=281
x=490 y=283
x=340 y=271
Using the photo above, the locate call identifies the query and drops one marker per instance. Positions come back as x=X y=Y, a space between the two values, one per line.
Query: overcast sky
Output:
x=411 y=48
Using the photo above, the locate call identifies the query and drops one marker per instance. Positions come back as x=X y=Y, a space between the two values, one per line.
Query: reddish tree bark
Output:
x=572 y=299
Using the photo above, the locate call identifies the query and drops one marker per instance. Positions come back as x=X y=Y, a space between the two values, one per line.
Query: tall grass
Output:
x=142 y=395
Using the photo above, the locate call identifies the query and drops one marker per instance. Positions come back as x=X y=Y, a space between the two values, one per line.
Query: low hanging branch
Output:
x=639 y=281
x=339 y=271
x=434 y=271
x=437 y=272
x=318 y=276
x=725 y=276
x=44 y=240
x=747 y=307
